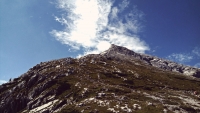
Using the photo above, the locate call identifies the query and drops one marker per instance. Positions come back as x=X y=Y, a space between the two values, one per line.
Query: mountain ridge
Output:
x=154 y=61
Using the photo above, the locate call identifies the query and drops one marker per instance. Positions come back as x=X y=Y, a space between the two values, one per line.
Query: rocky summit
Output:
x=117 y=80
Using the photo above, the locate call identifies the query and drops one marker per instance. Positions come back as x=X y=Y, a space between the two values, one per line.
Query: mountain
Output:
x=117 y=80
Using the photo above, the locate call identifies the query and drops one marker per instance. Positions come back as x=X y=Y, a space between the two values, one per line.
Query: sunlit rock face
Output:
x=116 y=80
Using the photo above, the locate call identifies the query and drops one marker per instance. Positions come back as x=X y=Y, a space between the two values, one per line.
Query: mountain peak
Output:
x=114 y=49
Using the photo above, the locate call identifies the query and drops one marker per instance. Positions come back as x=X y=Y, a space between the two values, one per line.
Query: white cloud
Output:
x=197 y=65
x=182 y=58
x=114 y=13
x=2 y=81
x=196 y=51
x=123 y=5
x=95 y=24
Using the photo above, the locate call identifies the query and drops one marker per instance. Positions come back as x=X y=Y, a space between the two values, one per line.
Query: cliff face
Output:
x=117 y=80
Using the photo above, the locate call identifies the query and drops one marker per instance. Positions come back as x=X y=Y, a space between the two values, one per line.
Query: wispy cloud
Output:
x=2 y=81
x=187 y=58
x=95 y=24
x=181 y=57
x=196 y=51
x=197 y=65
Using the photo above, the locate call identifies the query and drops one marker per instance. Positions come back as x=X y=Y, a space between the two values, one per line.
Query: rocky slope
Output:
x=167 y=65
x=117 y=80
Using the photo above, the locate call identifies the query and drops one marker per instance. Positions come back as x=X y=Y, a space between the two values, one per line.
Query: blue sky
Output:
x=36 y=31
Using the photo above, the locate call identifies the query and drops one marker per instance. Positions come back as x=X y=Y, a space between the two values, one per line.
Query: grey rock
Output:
x=123 y=53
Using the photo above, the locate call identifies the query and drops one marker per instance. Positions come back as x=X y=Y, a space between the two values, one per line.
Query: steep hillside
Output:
x=117 y=80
